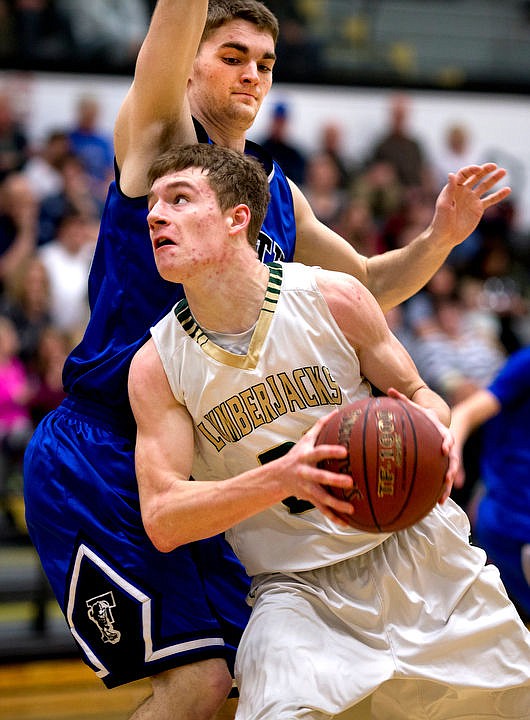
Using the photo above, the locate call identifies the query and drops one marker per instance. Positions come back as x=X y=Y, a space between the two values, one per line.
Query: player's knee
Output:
x=199 y=689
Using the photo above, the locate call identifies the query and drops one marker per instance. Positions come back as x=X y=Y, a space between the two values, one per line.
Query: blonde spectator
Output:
x=18 y=224
x=26 y=302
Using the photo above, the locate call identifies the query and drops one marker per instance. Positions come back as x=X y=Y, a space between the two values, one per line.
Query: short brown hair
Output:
x=234 y=177
x=221 y=12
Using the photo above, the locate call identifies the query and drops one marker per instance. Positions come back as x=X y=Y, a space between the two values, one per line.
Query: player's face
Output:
x=232 y=75
x=186 y=225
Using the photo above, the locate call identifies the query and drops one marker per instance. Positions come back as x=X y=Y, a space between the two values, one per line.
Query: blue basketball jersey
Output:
x=506 y=451
x=127 y=295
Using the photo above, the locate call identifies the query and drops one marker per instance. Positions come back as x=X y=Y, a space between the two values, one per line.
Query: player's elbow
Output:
x=159 y=532
x=163 y=542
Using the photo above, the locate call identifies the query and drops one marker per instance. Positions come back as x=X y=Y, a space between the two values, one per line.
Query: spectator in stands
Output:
x=322 y=188
x=18 y=224
x=331 y=144
x=14 y=145
x=454 y=356
x=399 y=227
x=357 y=225
x=26 y=301
x=419 y=309
x=276 y=141
x=398 y=147
x=43 y=169
x=46 y=373
x=15 y=420
x=67 y=260
x=457 y=151
x=76 y=194
x=378 y=185
x=92 y=145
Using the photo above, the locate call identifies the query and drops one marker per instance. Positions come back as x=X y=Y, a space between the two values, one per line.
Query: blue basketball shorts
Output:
x=505 y=551
x=132 y=610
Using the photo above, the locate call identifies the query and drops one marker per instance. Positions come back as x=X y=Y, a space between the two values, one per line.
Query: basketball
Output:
x=394 y=457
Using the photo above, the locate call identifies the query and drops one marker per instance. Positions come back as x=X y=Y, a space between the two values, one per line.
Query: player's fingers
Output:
x=484 y=183
x=446 y=490
x=468 y=174
x=453 y=468
x=319 y=453
x=392 y=392
x=336 y=509
x=460 y=478
x=496 y=197
x=481 y=178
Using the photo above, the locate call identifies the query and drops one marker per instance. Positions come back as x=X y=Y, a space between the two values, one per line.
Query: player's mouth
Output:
x=248 y=95
x=162 y=242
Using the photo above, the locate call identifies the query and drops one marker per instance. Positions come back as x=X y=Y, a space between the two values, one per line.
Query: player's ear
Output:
x=239 y=218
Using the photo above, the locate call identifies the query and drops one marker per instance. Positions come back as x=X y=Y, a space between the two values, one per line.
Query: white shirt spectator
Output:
x=67 y=260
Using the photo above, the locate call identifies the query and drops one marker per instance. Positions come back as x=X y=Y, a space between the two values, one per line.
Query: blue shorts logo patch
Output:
x=100 y=612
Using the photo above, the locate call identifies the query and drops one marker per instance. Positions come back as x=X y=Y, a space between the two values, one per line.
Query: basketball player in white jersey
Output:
x=234 y=386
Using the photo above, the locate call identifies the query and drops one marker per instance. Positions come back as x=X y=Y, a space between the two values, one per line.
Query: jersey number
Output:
x=292 y=503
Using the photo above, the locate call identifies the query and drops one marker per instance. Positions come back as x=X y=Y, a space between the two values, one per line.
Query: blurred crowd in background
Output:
x=468 y=44
x=459 y=330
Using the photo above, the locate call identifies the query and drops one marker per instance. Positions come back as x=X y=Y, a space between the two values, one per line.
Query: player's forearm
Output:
x=398 y=274
x=169 y=48
x=192 y=510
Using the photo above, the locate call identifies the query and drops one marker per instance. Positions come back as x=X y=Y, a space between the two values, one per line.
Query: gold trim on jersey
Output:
x=250 y=360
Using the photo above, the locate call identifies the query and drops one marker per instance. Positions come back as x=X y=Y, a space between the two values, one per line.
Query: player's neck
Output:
x=229 y=135
x=232 y=302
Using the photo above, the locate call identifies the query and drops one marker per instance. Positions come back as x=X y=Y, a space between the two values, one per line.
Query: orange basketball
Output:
x=395 y=459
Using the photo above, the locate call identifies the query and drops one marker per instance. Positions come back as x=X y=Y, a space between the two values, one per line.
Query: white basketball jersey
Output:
x=249 y=409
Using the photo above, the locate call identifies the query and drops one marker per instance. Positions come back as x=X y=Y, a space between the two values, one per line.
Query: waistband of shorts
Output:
x=103 y=416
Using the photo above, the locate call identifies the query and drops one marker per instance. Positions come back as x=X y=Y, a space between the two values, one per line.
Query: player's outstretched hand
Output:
x=462 y=202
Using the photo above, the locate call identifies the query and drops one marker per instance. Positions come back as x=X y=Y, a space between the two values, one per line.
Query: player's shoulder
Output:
x=349 y=301
x=340 y=285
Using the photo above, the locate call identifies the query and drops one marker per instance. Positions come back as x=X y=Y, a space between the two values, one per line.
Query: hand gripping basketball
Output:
x=394 y=457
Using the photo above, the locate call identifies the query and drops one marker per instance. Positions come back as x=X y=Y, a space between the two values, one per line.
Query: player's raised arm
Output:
x=396 y=275
x=156 y=106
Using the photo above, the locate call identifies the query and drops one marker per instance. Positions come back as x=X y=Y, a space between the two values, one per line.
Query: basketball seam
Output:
x=365 y=466
x=405 y=456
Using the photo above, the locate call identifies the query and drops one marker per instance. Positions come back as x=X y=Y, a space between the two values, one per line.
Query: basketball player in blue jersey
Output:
x=202 y=74
x=502 y=519
x=234 y=394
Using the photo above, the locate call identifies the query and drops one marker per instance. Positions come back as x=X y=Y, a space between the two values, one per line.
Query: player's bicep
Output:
x=384 y=361
x=388 y=364
x=164 y=440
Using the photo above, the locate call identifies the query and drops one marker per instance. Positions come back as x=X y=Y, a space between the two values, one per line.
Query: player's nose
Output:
x=156 y=215
x=250 y=72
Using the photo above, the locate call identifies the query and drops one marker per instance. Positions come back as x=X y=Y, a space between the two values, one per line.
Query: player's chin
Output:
x=168 y=270
x=245 y=112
